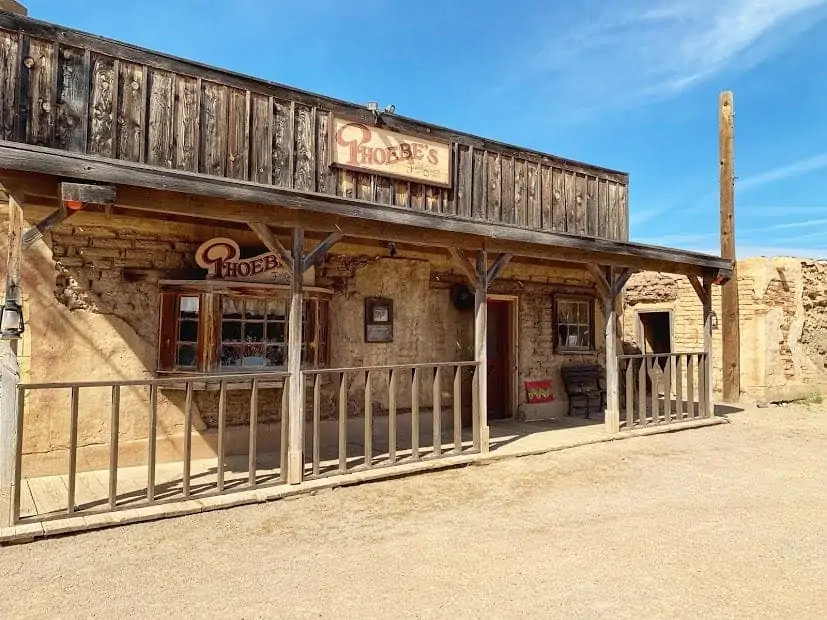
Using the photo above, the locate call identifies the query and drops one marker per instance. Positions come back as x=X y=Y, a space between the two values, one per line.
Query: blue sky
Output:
x=627 y=84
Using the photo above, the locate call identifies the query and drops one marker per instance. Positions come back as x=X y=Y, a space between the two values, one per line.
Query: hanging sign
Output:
x=221 y=258
x=358 y=146
x=539 y=391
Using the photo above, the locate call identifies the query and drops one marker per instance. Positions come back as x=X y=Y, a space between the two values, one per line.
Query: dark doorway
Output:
x=499 y=348
x=656 y=333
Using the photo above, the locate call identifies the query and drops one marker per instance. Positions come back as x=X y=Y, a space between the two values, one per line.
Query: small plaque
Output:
x=378 y=319
x=539 y=391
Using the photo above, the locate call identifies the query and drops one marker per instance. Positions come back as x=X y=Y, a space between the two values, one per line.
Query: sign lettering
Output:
x=361 y=147
x=221 y=258
x=539 y=391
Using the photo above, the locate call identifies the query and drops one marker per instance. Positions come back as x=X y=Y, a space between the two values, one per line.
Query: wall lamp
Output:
x=373 y=108
x=11 y=324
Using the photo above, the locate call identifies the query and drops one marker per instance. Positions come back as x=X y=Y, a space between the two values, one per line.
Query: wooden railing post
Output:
x=707 y=369
x=612 y=420
x=295 y=414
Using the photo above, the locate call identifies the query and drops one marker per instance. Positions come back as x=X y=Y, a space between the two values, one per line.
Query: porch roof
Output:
x=36 y=171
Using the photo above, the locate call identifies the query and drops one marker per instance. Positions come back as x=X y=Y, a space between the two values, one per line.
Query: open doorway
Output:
x=655 y=333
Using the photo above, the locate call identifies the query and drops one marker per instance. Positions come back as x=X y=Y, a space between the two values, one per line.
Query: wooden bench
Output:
x=585 y=386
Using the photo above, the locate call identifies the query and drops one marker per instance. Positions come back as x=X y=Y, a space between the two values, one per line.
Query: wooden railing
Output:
x=663 y=389
x=83 y=94
x=182 y=487
x=417 y=425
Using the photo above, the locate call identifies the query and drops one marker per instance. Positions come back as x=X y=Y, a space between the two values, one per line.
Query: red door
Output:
x=498 y=362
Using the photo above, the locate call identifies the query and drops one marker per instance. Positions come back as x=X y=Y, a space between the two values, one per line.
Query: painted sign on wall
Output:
x=358 y=146
x=539 y=391
x=221 y=257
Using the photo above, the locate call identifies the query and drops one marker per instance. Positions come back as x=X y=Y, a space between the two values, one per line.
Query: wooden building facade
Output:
x=230 y=264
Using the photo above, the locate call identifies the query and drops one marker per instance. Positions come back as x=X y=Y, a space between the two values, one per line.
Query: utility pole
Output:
x=730 y=321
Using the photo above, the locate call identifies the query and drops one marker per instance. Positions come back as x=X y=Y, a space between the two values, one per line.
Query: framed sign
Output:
x=378 y=319
x=366 y=148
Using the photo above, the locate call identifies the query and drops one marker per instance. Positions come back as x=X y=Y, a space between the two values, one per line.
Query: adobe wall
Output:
x=91 y=299
x=783 y=306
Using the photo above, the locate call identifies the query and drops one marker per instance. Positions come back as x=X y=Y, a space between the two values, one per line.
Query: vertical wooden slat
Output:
x=520 y=185
x=324 y=180
x=494 y=187
x=282 y=144
x=402 y=194
x=569 y=187
x=185 y=124
x=152 y=441
x=261 y=143
x=558 y=201
x=630 y=393
x=9 y=80
x=305 y=149
x=252 y=449
x=507 y=190
x=458 y=409
x=623 y=213
x=343 y=421
x=368 y=419
x=415 y=387
x=316 y=425
x=432 y=199
x=654 y=378
x=602 y=208
x=478 y=189
x=690 y=386
x=114 y=424
x=591 y=206
x=73 y=449
x=534 y=218
x=641 y=386
x=679 y=387
x=580 y=204
x=392 y=415
x=284 y=429
x=161 y=119
x=213 y=147
x=701 y=387
x=417 y=196
x=130 y=128
x=612 y=225
x=238 y=134
x=72 y=113
x=437 y=413
x=18 y=454
x=103 y=107
x=222 y=430
x=188 y=438
x=667 y=390
x=364 y=187
x=40 y=68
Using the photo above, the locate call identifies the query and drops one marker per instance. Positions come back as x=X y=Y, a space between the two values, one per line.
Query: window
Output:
x=574 y=318
x=237 y=331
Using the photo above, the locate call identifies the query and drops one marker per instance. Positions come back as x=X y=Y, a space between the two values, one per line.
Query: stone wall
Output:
x=92 y=300
x=783 y=323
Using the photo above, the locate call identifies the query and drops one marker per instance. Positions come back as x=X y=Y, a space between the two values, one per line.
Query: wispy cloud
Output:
x=631 y=52
x=782 y=173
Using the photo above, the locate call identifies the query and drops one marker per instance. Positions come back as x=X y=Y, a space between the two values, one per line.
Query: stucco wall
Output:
x=92 y=302
x=783 y=323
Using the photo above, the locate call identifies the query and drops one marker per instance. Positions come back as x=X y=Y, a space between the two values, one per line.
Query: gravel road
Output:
x=722 y=522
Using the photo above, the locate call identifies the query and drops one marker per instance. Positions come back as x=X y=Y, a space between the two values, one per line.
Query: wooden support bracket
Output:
x=465 y=265
x=699 y=289
x=500 y=264
x=321 y=249
x=601 y=281
x=620 y=281
x=270 y=241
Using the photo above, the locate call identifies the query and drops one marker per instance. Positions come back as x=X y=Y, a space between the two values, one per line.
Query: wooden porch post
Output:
x=707 y=308
x=295 y=415
x=612 y=419
x=482 y=433
x=10 y=372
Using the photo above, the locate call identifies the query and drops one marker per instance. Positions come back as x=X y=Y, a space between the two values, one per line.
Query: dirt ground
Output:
x=723 y=522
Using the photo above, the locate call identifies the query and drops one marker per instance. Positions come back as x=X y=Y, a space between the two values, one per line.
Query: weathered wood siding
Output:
x=70 y=91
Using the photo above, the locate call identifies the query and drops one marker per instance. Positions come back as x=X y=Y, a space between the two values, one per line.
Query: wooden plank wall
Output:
x=80 y=100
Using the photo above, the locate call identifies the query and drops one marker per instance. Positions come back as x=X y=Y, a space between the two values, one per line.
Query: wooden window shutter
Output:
x=166 y=331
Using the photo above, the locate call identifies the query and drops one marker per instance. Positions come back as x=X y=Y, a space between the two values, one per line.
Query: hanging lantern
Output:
x=11 y=325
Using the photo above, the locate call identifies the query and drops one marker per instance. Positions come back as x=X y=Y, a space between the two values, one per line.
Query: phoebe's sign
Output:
x=221 y=258
x=361 y=147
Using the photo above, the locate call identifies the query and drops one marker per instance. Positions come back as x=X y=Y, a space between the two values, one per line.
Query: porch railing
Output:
x=426 y=406
x=658 y=389
x=182 y=486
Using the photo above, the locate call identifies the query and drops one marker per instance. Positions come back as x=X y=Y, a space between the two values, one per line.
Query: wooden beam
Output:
x=481 y=431
x=271 y=242
x=295 y=416
x=699 y=289
x=600 y=279
x=465 y=265
x=612 y=419
x=10 y=374
x=36 y=233
x=707 y=314
x=87 y=193
x=500 y=264
x=621 y=281
x=321 y=249
x=730 y=311
x=29 y=158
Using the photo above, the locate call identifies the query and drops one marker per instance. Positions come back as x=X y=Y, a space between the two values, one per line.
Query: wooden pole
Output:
x=10 y=371
x=295 y=416
x=707 y=307
x=730 y=319
x=482 y=433
x=612 y=419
